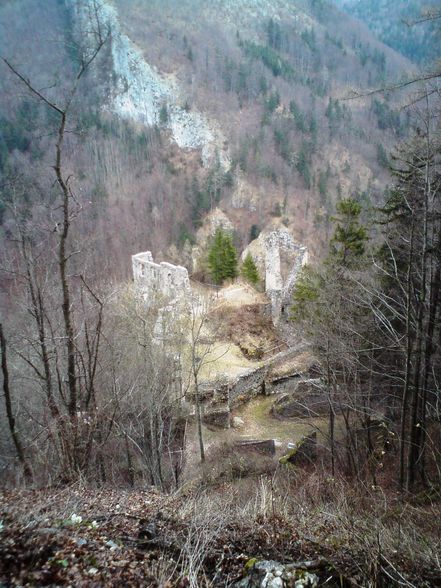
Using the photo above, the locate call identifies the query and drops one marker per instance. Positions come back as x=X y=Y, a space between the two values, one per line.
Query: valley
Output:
x=220 y=277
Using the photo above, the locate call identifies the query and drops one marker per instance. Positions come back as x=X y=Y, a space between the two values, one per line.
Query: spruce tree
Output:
x=249 y=270
x=163 y=115
x=222 y=257
x=348 y=242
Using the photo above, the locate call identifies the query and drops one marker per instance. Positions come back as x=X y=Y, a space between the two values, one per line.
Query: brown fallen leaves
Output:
x=77 y=536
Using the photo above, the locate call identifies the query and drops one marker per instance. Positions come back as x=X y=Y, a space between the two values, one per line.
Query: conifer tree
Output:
x=348 y=242
x=249 y=270
x=163 y=115
x=222 y=257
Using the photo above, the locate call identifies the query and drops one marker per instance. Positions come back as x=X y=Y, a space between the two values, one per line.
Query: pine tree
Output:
x=249 y=270
x=222 y=257
x=350 y=236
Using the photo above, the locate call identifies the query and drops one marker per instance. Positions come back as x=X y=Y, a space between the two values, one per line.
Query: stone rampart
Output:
x=162 y=282
x=247 y=386
x=278 y=289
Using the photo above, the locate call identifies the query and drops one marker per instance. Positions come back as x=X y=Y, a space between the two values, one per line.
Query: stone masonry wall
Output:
x=247 y=386
x=162 y=282
x=278 y=290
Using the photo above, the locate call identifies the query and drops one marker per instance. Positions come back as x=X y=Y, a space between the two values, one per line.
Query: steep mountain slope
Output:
x=193 y=105
x=393 y=23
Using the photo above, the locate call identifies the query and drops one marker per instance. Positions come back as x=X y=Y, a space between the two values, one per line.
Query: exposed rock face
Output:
x=218 y=220
x=245 y=195
x=138 y=92
x=280 y=258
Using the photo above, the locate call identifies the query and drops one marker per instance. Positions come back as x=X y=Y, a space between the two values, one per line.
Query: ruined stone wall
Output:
x=247 y=386
x=278 y=289
x=301 y=261
x=162 y=282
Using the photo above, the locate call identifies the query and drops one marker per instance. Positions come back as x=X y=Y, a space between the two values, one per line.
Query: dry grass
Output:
x=249 y=328
x=373 y=538
x=206 y=534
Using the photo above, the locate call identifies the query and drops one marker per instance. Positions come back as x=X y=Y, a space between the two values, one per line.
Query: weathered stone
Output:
x=138 y=92
x=160 y=282
x=267 y=447
x=272 y=574
x=245 y=195
x=251 y=347
x=306 y=399
x=237 y=422
x=219 y=419
x=305 y=451
x=280 y=259
x=247 y=385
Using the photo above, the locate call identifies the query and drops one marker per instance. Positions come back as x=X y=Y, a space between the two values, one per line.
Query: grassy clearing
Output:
x=260 y=424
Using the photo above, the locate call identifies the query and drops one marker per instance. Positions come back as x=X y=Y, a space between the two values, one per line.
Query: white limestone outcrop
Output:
x=138 y=92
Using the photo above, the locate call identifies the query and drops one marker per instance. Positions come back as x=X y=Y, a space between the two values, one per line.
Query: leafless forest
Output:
x=240 y=424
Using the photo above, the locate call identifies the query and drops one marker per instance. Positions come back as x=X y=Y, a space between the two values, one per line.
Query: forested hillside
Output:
x=398 y=25
x=220 y=309
x=274 y=86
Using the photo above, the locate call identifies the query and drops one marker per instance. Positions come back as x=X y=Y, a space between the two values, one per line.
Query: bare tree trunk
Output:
x=406 y=391
x=429 y=349
x=331 y=410
x=62 y=264
x=10 y=416
x=38 y=312
x=199 y=417
x=415 y=433
x=130 y=468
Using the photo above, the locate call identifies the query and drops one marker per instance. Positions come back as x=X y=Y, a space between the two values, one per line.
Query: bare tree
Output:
x=54 y=349
x=9 y=410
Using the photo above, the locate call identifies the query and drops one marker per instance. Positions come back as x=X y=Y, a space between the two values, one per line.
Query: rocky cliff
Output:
x=138 y=92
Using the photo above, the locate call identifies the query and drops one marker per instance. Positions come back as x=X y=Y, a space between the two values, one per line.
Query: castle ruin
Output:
x=280 y=281
x=160 y=282
x=279 y=259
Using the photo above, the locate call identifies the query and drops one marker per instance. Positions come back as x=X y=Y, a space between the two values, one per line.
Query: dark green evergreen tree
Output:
x=222 y=257
x=249 y=270
x=349 y=240
x=163 y=115
x=254 y=232
x=382 y=157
